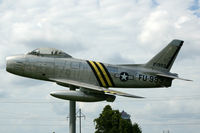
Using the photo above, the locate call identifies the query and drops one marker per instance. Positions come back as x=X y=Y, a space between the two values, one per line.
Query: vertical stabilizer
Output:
x=165 y=58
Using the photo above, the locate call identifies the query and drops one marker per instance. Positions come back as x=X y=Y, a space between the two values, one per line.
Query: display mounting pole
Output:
x=80 y=120
x=72 y=114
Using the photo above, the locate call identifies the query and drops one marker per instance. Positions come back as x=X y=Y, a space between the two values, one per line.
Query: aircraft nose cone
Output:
x=15 y=64
x=9 y=64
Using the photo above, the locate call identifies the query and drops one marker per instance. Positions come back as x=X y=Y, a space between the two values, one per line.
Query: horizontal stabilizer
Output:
x=93 y=87
x=173 y=77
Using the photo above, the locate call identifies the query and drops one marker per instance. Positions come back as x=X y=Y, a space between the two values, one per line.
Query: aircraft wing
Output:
x=171 y=76
x=93 y=87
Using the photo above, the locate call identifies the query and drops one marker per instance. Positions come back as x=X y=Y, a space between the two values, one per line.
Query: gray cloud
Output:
x=113 y=31
x=61 y=109
x=117 y=58
x=184 y=116
x=3 y=94
x=70 y=47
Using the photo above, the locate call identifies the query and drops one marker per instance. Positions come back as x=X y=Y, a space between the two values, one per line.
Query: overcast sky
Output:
x=110 y=31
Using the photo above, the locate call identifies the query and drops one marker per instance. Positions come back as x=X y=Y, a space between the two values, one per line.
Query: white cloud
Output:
x=156 y=23
x=124 y=31
x=181 y=21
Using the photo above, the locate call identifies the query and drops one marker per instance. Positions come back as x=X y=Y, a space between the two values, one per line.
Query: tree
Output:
x=136 y=128
x=110 y=121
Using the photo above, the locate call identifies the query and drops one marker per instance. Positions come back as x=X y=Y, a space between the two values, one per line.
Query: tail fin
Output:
x=165 y=58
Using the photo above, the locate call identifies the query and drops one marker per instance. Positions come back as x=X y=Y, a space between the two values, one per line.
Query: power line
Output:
x=33 y=119
x=150 y=124
x=177 y=123
x=42 y=125
x=44 y=101
x=28 y=102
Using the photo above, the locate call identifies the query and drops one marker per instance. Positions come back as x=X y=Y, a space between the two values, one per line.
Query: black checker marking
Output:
x=104 y=78
x=95 y=74
x=109 y=76
x=178 y=49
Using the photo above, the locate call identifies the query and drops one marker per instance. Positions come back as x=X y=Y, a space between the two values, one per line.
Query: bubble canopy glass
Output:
x=49 y=52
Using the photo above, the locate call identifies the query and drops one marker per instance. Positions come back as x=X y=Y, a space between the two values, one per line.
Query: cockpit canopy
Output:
x=49 y=52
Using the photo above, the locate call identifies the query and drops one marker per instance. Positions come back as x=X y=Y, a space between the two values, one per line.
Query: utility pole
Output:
x=80 y=115
x=72 y=117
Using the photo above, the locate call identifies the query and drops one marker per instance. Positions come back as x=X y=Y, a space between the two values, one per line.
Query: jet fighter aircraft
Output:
x=92 y=79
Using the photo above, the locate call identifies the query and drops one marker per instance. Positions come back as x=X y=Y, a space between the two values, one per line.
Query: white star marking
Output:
x=124 y=76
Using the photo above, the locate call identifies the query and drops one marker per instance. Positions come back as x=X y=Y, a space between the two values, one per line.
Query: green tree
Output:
x=136 y=128
x=110 y=121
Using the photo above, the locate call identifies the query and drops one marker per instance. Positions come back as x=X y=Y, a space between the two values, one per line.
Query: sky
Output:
x=110 y=31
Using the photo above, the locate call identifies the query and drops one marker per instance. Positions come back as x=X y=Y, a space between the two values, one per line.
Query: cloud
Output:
x=61 y=109
x=117 y=58
x=156 y=23
x=114 y=31
x=71 y=47
x=3 y=94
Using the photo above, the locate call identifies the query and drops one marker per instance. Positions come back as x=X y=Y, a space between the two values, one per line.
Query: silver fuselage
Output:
x=45 y=68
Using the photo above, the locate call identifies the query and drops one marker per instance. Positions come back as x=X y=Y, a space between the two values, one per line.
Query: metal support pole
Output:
x=72 y=115
x=80 y=120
